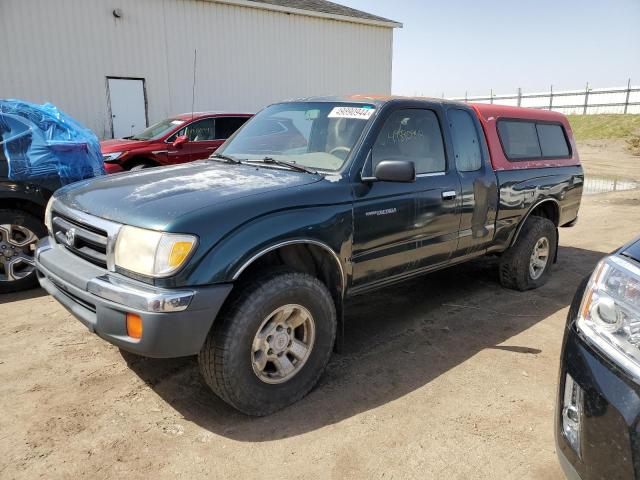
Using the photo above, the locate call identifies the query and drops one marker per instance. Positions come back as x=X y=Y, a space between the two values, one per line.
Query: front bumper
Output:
x=610 y=423
x=175 y=322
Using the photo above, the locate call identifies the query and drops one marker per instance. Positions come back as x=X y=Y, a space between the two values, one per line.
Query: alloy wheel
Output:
x=17 y=248
x=283 y=343
x=539 y=258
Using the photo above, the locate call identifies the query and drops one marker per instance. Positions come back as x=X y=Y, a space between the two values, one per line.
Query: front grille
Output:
x=84 y=240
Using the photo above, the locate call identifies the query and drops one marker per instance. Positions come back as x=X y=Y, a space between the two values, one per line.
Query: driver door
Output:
x=403 y=228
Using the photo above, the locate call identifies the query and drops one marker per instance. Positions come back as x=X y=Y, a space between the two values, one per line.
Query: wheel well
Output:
x=24 y=205
x=302 y=257
x=548 y=210
x=132 y=162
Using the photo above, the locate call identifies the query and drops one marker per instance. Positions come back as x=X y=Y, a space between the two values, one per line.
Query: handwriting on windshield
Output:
x=401 y=135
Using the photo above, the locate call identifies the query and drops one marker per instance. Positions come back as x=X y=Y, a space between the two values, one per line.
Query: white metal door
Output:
x=128 y=111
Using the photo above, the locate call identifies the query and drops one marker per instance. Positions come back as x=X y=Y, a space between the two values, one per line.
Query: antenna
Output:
x=193 y=88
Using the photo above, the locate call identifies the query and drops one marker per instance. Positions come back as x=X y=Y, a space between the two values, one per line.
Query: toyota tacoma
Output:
x=246 y=258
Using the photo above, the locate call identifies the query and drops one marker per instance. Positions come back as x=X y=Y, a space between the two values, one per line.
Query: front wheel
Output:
x=136 y=167
x=527 y=264
x=271 y=343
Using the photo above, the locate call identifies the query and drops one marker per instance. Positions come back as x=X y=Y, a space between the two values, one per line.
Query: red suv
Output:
x=179 y=139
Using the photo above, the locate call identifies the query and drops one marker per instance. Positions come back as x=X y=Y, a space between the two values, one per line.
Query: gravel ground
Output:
x=446 y=376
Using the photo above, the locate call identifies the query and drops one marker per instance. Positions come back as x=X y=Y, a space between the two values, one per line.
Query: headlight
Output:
x=151 y=253
x=610 y=312
x=47 y=216
x=111 y=157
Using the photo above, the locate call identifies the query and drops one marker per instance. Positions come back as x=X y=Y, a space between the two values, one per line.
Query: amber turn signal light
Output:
x=134 y=325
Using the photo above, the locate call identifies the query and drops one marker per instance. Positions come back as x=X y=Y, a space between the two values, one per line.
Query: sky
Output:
x=455 y=46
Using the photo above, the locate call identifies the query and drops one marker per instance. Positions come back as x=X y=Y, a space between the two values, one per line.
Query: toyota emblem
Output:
x=70 y=237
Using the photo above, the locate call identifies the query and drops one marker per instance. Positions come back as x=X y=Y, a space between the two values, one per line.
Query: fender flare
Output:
x=528 y=214
x=275 y=246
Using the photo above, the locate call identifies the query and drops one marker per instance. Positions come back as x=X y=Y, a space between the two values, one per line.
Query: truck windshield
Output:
x=158 y=130
x=318 y=135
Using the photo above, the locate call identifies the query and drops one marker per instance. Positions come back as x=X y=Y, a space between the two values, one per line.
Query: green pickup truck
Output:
x=246 y=258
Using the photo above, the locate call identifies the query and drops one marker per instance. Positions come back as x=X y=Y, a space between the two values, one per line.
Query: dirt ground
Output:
x=609 y=158
x=449 y=376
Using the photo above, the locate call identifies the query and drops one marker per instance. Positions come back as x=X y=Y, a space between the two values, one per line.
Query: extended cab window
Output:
x=413 y=135
x=466 y=143
x=529 y=140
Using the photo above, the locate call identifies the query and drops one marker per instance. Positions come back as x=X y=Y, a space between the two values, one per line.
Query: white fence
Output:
x=585 y=101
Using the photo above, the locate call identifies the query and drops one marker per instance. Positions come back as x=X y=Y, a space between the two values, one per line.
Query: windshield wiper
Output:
x=291 y=165
x=226 y=158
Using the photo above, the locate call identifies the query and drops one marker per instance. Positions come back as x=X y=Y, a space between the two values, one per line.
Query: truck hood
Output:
x=156 y=197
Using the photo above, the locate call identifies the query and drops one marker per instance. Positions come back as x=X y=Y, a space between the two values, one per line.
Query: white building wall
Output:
x=62 y=51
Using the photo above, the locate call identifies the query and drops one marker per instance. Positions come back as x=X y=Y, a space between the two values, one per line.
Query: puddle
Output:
x=595 y=185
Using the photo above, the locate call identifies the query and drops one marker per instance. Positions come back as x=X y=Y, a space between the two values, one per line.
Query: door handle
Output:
x=449 y=195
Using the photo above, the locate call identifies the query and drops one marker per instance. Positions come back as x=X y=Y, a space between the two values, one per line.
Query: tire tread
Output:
x=218 y=343
x=514 y=262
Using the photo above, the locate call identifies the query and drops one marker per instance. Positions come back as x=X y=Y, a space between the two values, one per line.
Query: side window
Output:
x=201 y=131
x=413 y=135
x=226 y=126
x=552 y=140
x=531 y=140
x=179 y=133
x=466 y=143
x=519 y=139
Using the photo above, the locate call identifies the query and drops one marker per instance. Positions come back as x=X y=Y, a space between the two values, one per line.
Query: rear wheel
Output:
x=527 y=264
x=271 y=344
x=19 y=234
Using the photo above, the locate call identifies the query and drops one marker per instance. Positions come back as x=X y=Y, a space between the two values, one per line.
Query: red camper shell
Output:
x=520 y=138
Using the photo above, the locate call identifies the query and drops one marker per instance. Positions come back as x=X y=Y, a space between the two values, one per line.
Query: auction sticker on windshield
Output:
x=352 y=112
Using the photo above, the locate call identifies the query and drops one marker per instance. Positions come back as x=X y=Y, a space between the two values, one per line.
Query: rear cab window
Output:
x=532 y=140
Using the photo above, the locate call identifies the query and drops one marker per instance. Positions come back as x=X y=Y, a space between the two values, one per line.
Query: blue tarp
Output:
x=42 y=141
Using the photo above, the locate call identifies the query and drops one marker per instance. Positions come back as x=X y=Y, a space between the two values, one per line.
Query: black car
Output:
x=22 y=206
x=41 y=149
x=598 y=410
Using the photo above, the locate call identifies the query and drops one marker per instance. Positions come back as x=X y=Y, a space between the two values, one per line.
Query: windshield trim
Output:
x=349 y=160
x=165 y=134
